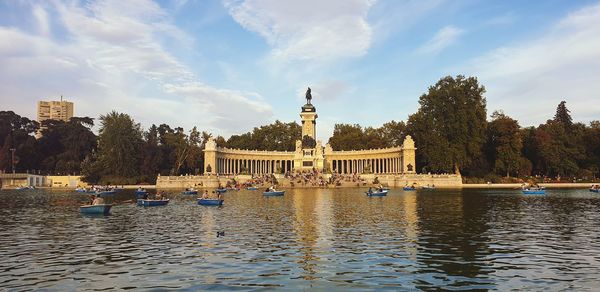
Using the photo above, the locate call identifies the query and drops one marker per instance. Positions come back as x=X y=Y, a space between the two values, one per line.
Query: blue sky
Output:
x=228 y=66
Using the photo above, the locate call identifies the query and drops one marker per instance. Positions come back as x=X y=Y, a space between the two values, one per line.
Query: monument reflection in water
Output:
x=308 y=239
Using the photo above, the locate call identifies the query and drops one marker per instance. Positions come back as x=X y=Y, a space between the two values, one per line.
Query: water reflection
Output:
x=309 y=239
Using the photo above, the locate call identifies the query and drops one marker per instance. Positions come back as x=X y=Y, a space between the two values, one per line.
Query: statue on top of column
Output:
x=308 y=96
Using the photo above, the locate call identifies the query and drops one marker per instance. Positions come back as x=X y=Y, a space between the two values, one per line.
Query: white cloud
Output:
x=307 y=30
x=529 y=79
x=112 y=58
x=441 y=40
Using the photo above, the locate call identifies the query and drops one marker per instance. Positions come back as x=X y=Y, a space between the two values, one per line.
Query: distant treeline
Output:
x=450 y=129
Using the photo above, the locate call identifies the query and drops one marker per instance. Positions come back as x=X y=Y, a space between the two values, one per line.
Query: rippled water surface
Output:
x=309 y=239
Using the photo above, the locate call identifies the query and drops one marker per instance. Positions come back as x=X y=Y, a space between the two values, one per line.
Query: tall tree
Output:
x=151 y=155
x=119 y=144
x=451 y=122
x=563 y=115
x=505 y=144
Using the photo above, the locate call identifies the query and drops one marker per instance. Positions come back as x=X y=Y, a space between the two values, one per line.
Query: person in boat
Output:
x=214 y=195
x=205 y=195
x=92 y=198
x=98 y=201
x=160 y=195
x=145 y=196
x=370 y=191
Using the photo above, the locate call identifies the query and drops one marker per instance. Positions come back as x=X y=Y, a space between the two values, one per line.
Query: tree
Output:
x=563 y=115
x=504 y=143
x=274 y=137
x=151 y=155
x=451 y=122
x=16 y=132
x=393 y=133
x=119 y=144
x=347 y=137
x=592 y=144
x=64 y=145
x=308 y=142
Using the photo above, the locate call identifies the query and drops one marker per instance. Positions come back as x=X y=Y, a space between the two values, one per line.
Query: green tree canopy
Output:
x=449 y=127
x=505 y=143
x=274 y=137
x=64 y=145
x=16 y=133
x=118 y=157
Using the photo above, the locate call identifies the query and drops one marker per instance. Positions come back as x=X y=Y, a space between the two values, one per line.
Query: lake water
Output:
x=335 y=239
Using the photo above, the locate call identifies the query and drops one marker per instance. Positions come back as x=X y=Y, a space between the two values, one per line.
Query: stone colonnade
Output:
x=252 y=164
x=372 y=165
x=394 y=160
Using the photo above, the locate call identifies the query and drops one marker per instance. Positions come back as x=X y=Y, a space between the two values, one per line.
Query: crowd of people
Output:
x=315 y=178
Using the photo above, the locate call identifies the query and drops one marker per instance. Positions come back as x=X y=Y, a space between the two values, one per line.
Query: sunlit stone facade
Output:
x=396 y=160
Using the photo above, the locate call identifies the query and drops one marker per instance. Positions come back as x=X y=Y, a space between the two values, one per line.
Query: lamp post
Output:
x=13 y=159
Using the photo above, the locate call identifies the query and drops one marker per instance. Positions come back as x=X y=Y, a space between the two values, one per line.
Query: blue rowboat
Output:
x=252 y=188
x=595 y=190
x=534 y=192
x=409 y=189
x=274 y=193
x=106 y=193
x=191 y=192
x=220 y=191
x=377 y=194
x=210 y=202
x=152 y=203
x=95 y=209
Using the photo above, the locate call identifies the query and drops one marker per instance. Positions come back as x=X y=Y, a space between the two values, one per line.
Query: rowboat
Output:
x=274 y=193
x=210 y=202
x=85 y=191
x=140 y=192
x=377 y=194
x=595 y=190
x=428 y=188
x=95 y=209
x=152 y=203
x=190 y=192
x=106 y=193
x=220 y=191
x=534 y=191
x=25 y=188
x=409 y=189
x=252 y=188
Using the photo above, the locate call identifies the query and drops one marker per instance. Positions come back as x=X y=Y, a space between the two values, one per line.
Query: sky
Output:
x=229 y=66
